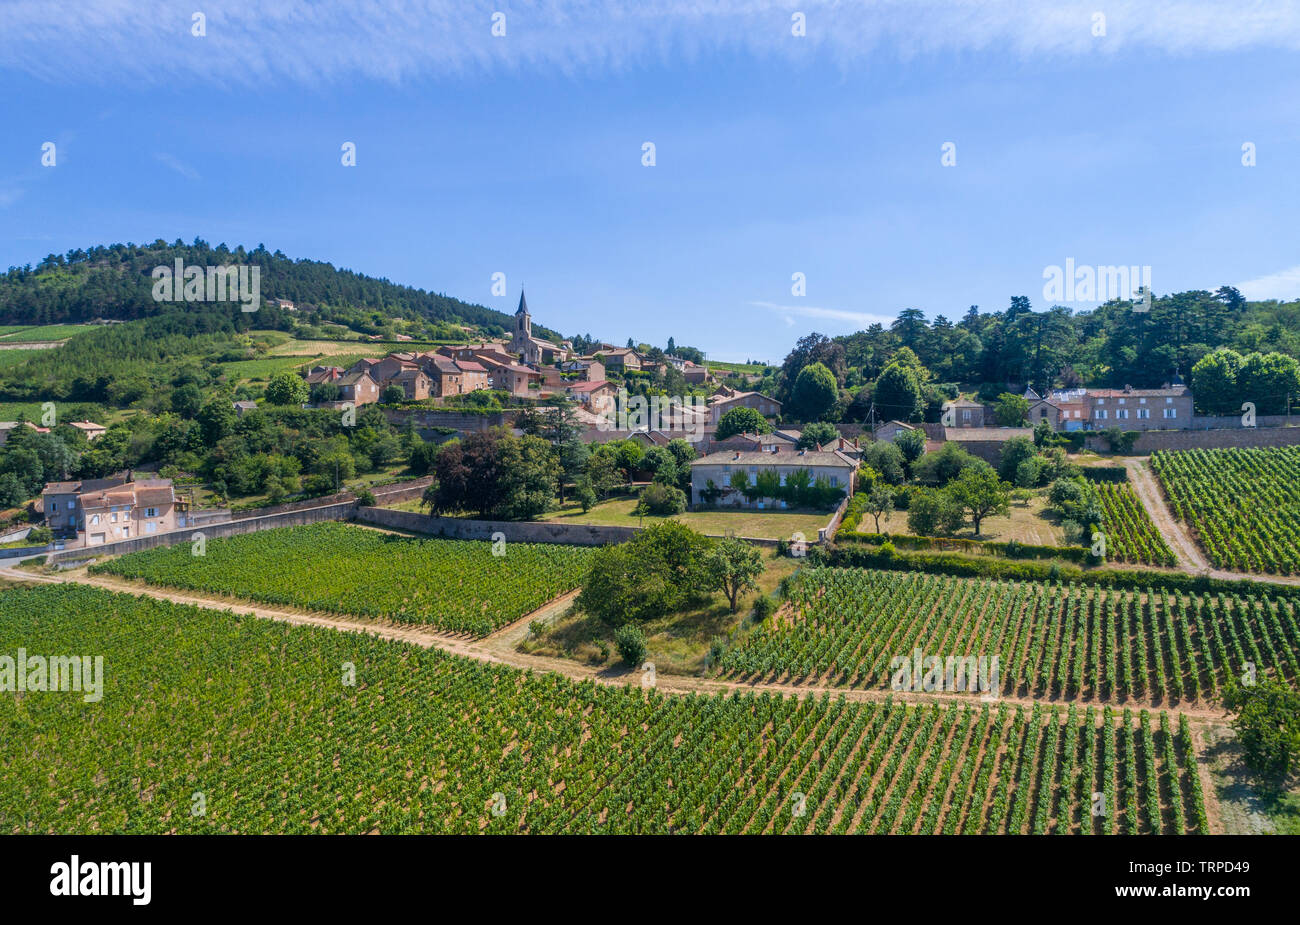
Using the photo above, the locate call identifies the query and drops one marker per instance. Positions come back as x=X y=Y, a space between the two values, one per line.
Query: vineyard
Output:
x=1130 y=535
x=212 y=722
x=1243 y=504
x=453 y=585
x=845 y=626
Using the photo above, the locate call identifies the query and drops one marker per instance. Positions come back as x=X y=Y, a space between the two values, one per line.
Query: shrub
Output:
x=764 y=607
x=630 y=641
x=366 y=498
x=661 y=500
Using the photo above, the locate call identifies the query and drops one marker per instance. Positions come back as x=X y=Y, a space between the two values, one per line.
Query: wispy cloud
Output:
x=185 y=170
x=788 y=314
x=250 y=41
x=1283 y=285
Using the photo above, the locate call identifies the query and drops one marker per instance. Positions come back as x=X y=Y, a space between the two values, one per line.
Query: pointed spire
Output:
x=523 y=304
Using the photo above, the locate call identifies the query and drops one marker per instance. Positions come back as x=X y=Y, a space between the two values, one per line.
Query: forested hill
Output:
x=115 y=282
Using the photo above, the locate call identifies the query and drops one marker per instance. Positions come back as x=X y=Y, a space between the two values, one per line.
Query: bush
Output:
x=764 y=607
x=661 y=500
x=630 y=641
x=366 y=497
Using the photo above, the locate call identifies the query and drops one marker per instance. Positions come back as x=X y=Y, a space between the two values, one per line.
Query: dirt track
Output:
x=1190 y=557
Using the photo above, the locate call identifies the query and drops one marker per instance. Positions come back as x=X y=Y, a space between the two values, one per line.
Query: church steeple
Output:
x=523 y=321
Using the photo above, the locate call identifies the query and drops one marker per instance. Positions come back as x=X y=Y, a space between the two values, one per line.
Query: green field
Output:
x=1243 y=504
x=453 y=585
x=10 y=358
x=45 y=332
x=1130 y=534
x=215 y=723
x=845 y=626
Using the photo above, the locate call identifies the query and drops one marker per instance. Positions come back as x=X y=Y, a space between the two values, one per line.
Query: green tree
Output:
x=603 y=473
x=1214 y=382
x=1013 y=453
x=980 y=493
x=1267 y=722
x=741 y=421
x=880 y=502
x=216 y=420
x=187 y=400
x=941 y=466
x=818 y=433
x=815 y=392
x=585 y=494
x=287 y=389
x=1011 y=410
x=898 y=395
x=630 y=641
x=392 y=395
x=912 y=443
x=529 y=474
x=887 y=459
x=732 y=566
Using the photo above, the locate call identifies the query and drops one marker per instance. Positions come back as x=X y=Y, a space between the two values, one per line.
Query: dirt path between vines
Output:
x=1191 y=559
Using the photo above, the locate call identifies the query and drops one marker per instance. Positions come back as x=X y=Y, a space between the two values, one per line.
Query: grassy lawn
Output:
x=677 y=643
x=1031 y=523
x=773 y=525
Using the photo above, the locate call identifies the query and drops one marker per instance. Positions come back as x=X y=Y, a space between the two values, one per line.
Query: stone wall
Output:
x=461 y=528
x=1153 y=440
x=342 y=511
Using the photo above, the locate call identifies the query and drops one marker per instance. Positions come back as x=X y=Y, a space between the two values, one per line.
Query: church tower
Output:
x=523 y=321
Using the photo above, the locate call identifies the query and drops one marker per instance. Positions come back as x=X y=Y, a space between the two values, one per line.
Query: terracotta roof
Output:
x=469 y=366
x=589 y=386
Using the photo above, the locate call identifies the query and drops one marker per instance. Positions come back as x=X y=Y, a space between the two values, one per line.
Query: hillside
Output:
x=114 y=282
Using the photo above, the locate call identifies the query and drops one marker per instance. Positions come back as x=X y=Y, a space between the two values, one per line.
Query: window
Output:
x=1101 y=415
x=1101 y=401
x=1171 y=412
x=94 y=520
x=1042 y=412
x=1122 y=413
x=1142 y=401
x=1169 y=401
x=114 y=517
x=835 y=481
x=70 y=505
x=1123 y=400
x=1144 y=413
x=151 y=512
x=965 y=415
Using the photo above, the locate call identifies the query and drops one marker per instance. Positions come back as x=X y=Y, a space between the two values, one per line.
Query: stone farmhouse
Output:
x=99 y=511
x=717 y=469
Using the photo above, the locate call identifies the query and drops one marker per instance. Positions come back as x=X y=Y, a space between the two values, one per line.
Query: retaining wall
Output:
x=514 y=531
x=1153 y=440
x=342 y=511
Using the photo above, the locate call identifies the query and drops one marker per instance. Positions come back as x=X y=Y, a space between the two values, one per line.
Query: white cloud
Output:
x=185 y=170
x=1283 y=285
x=788 y=314
x=255 y=41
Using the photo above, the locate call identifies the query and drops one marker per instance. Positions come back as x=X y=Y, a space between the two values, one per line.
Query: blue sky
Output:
x=775 y=154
